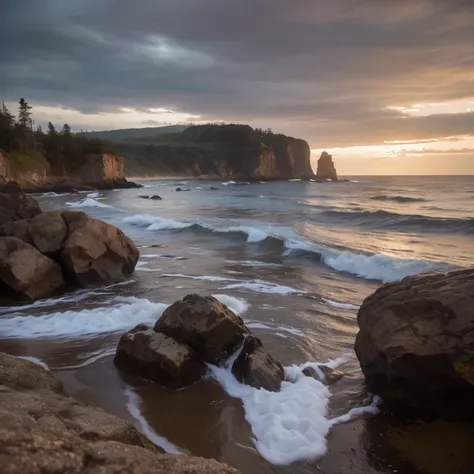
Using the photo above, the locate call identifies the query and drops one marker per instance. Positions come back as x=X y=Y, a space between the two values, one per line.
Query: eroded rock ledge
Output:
x=44 y=431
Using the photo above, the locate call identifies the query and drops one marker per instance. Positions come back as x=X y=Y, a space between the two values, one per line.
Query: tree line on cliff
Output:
x=23 y=143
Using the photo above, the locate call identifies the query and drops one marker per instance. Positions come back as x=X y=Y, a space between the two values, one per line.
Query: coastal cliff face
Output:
x=100 y=170
x=32 y=171
x=219 y=151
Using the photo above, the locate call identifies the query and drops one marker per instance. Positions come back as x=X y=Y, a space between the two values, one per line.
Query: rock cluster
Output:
x=416 y=344
x=192 y=332
x=15 y=204
x=326 y=168
x=41 y=253
x=44 y=431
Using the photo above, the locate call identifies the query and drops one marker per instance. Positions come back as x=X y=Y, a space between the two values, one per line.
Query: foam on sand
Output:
x=133 y=406
x=88 y=202
x=119 y=315
x=290 y=425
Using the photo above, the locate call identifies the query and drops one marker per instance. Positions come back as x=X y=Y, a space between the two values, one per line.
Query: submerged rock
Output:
x=205 y=324
x=45 y=431
x=155 y=197
x=180 y=189
x=327 y=376
x=416 y=343
x=257 y=368
x=158 y=358
x=326 y=168
x=25 y=273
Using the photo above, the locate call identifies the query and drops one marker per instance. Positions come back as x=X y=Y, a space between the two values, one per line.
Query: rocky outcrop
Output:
x=191 y=332
x=204 y=323
x=103 y=171
x=43 y=431
x=158 y=358
x=416 y=343
x=26 y=273
x=326 y=168
x=256 y=367
x=324 y=374
x=15 y=204
x=89 y=251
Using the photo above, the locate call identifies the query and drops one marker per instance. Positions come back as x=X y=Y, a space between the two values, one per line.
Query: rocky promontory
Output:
x=44 y=431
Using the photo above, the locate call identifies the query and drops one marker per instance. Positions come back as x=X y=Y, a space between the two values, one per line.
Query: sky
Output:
x=387 y=87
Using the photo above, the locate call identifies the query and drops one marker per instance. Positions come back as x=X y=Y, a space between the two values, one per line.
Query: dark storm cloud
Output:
x=326 y=70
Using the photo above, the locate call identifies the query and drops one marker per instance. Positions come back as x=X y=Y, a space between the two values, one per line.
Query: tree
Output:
x=51 y=129
x=7 y=128
x=24 y=114
x=66 y=130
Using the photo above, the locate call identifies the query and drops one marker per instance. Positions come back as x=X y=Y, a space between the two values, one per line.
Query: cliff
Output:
x=32 y=171
x=216 y=151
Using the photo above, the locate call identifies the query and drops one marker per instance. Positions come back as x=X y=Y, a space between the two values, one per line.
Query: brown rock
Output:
x=96 y=253
x=15 y=204
x=26 y=273
x=328 y=376
x=159 y=358
x=326 y=169
x=205 y=324
x=44 y=432
x=257 y=368
x=416 y=343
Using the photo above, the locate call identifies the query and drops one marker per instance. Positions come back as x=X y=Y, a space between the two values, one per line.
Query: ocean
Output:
x=295 y=260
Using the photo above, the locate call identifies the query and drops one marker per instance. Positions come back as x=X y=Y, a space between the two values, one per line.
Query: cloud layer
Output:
x=331 y=72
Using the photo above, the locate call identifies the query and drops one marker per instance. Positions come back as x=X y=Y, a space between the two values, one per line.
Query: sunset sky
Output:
x=387 y=87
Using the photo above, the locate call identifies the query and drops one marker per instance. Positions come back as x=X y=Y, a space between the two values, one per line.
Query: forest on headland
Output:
x=25 y=146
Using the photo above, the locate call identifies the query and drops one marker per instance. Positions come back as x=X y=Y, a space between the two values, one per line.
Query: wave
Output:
x=369 y=266
x=53 y=194
x=237 y=305
x=88 y=202
x=393 y=220
x=119 y=317
x=400 y=199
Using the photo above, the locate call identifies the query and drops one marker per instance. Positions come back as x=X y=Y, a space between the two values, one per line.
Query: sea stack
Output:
x=326 y=169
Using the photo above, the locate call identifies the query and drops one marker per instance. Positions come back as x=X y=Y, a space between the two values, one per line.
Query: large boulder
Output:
x=416 y=343
x=25 y=273
x=15 y=204
x=257 y=368
x=90 y=251
x=158 y=358
x=205 y=324
x=326 y=168
x=43 y=431
x=96 y=253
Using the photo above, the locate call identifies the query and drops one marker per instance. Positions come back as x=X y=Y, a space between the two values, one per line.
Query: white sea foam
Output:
x=88 y=202
x=338 y=304
x=93 y=195
x=155 y=223
x=198 y=277
x=260 y=286
x=356 y=412
x=253 y=263
x=237 y=305
x=376 y=267
x=90 y=358
x=53 y=194
x=295 y=179
x=228 y=182
x=254 y=234
x=150 y=270
x=119 y=315
x=292 y=424
x=273 y=327
x=36 y=361
x=199 y=187
x=133 y=406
